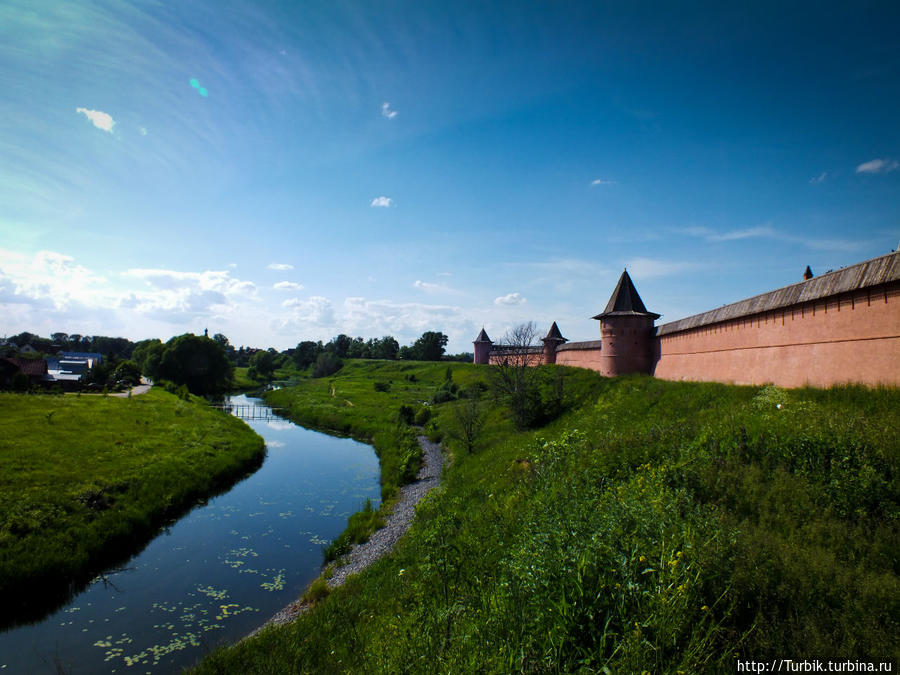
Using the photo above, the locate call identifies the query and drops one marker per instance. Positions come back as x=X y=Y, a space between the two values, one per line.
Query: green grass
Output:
x=86 y=480
x=658 y=526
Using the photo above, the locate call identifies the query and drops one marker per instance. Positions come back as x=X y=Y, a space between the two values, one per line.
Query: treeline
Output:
x=206 y=366
x=118 y=347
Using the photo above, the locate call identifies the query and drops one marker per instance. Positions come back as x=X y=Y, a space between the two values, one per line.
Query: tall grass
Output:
x=658 y=526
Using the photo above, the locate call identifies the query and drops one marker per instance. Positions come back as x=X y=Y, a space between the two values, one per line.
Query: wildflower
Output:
x=705 y=608
x=642 y=558
x=401 y=572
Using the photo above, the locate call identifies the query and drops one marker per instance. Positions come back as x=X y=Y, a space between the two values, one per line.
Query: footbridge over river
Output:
x=251 y=412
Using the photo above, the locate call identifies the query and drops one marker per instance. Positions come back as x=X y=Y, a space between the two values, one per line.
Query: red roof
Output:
x=31 y=367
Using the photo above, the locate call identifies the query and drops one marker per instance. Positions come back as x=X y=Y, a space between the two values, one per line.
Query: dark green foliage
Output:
x=382 y=386
x=422 y=416
x=128 y=372
x=306 y=354
x=327 y=364
x=406 y=414
x=197 y=362
x=148 y=355
x=339 y=345
x=262 y=365
x=429 y=347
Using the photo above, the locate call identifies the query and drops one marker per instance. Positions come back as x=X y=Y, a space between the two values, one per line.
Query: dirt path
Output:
x=383 y=540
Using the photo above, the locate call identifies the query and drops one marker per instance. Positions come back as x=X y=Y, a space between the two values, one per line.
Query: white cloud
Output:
x=142 y=131
x=281 y=267
x=430 y=287
x=769 y=232
x=218 y=281
x=51 y=278
x=99 y=119
x=877 y=166
x=314 y=310
x=510 y=299
x=603 y=181
x=287 y=286
x=815 y=180
x=387 y=112
x=648 y=268
x=383 y=202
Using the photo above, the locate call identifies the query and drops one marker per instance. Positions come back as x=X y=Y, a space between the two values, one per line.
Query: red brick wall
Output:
x=854 y=337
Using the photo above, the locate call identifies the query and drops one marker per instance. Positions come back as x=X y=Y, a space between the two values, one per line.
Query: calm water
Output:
x=215 y=575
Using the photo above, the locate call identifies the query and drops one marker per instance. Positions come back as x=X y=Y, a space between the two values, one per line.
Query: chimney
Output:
x=807 y=275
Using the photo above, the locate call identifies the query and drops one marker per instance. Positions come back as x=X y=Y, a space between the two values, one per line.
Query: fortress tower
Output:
x=483 y=346
x=626 y=329
x=553 y=340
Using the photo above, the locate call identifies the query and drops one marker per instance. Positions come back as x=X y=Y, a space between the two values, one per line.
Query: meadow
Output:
x=85 y=481
x=654 y=526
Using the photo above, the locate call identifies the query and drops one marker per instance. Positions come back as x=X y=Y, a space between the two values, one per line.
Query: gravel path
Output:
x=383 y=540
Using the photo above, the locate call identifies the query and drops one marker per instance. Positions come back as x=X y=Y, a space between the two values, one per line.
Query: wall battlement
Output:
x=840 y=327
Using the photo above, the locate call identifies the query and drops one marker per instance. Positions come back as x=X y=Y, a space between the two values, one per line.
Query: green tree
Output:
x=339 y=345
x=430 y=347
x=263 y=364
x=385 y=348
x=148 y=355
x=306 y=353
x=197 y=362
x=128 y=371
x=327 y=364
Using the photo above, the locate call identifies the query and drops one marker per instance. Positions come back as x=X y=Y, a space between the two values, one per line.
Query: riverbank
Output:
x=86 y=481
x=658 y=526
x=382 y=541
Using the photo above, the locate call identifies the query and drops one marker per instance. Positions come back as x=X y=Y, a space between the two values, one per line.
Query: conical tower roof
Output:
x=482 y=336
x=625 y=301
x=554 y=334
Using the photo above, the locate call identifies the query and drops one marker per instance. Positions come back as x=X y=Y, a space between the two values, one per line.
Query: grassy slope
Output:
x=660 y=526
x=84 y=480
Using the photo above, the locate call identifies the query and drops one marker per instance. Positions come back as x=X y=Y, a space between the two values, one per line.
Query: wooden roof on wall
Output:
x=874 y=272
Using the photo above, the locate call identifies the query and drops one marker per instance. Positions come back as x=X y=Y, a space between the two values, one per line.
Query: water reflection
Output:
x=217 y=573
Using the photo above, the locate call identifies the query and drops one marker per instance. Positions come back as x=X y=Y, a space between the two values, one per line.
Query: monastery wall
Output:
x=850 y=337
x=580 y=355
x=840 y=327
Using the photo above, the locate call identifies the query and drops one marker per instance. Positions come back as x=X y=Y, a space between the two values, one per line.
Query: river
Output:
x=216 y=574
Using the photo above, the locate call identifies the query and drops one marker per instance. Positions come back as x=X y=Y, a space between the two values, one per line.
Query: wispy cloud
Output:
x=98 y=118
x=382 y=202
x=387 y=112
x=769 y=232
x=510 y=299
x=877 y=166
x=281 y=267
x=287 y=286
x=650 y=268
x=815 y=180
x=604 y=181
x=430 y=287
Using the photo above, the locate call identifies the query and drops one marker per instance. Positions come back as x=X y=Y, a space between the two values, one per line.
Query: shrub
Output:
x=423 y=416
x=406 y=414
x=327 y=364
x=318 y=590
x=382 y=386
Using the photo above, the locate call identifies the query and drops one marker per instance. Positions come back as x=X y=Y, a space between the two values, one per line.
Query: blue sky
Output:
x=279 y=171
